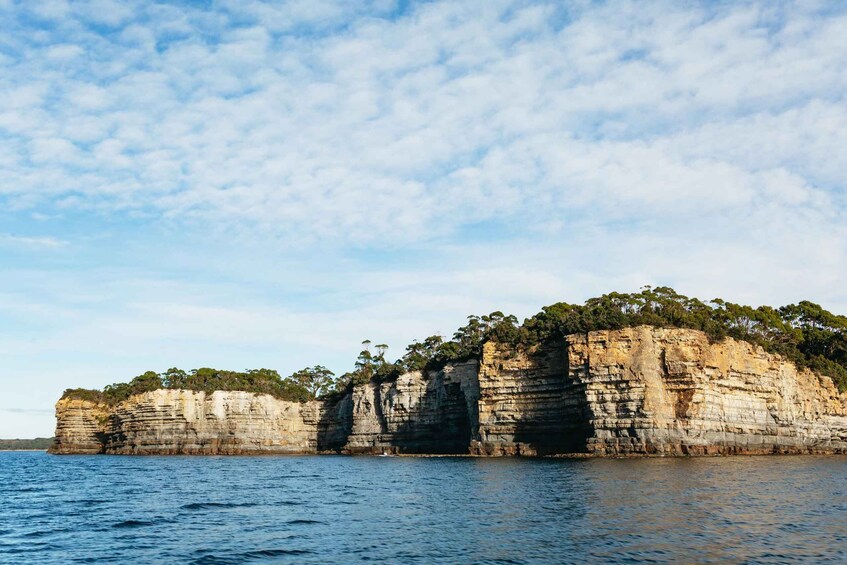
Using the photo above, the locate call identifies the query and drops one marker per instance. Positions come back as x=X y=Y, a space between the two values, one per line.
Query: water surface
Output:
x=430 y=510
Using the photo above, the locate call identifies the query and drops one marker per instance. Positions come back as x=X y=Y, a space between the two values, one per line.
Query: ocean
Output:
x=337 y=509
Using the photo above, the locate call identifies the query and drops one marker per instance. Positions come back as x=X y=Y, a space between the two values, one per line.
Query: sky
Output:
x=243 y=184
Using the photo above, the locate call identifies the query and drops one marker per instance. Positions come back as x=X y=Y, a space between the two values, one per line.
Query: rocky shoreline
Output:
x=631 y=392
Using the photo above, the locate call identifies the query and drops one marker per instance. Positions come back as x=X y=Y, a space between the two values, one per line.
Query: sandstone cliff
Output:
x=190 y=422
x=528 y=405
x=671 y=391
x=180 y=421
x=638 y=390
x=420 y=412
x=82 y=426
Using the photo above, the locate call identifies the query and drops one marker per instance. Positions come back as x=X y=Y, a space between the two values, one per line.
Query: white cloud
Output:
x=455 y=113
x=42 y=242
x=511 y=154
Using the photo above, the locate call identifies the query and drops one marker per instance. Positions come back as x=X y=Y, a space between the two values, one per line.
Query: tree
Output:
x=421 y=354
x=146 y=382
x=380 y=351
x=317 y=380
x=174 y=378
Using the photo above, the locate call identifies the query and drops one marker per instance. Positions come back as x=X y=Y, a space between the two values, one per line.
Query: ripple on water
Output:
x=217 y=505
x=135 y=523
x=281 y=509
x=247 y=556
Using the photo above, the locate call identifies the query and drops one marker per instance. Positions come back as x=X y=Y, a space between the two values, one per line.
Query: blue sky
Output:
x=248 y=184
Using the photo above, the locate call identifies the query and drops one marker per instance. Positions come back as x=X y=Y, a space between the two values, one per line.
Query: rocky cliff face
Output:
x=189 y=422
x=180 y=421
x=81 y=426
x=420 y=412
x=634 y=391
x=671 y=391
x=528 y=405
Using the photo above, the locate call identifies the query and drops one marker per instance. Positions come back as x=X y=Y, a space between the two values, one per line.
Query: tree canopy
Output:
x=805 y=333
x=303 y=385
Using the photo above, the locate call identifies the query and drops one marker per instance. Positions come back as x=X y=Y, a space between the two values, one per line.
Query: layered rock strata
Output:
x=528 y=404
x=82 y=426
x=420 y=412
x=671 y=391
x=190 y=422
x=634 y=391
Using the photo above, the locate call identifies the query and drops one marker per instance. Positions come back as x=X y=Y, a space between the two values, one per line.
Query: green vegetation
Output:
x=804 y=333
x=37 y=443
x=302 y=386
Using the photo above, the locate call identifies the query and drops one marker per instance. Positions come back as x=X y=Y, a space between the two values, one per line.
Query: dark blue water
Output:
x=405 y=510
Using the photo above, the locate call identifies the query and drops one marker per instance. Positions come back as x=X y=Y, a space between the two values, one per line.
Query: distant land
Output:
x=39 y=443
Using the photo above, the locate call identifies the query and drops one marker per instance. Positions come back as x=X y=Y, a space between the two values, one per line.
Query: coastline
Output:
x=628 y=456
x=635 y=392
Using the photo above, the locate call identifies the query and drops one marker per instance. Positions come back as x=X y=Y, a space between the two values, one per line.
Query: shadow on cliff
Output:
x=438 y=424
x=447 y=431
x=554 y=412
x=335 y=425
x=537 y=408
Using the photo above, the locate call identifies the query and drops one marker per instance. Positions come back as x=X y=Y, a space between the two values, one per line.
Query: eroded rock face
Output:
x=189 y=422
x=420 y=412
x=528 y=404
x=81 y=427
x=627 y=392
x=671 y=391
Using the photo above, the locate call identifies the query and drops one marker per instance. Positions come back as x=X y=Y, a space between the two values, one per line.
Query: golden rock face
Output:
x=81 y=426
x=634 y=391
x=671 y=391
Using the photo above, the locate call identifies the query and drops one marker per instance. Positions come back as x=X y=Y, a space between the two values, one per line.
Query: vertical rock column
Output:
x=81 y=427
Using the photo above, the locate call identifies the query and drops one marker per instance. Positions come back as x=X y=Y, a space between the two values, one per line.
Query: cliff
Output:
x=528 y=404
x=420 y=412
x=670 y=391
x=82 y=426
x=639 y=390
x=191 y=422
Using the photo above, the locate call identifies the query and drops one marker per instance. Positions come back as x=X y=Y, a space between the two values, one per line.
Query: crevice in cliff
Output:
x=379 y=409
x=335 y=424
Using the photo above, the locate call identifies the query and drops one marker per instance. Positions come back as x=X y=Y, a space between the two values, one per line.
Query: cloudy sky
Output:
x=246 y=184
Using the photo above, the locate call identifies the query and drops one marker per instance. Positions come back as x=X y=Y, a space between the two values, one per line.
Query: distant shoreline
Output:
x=34 y=444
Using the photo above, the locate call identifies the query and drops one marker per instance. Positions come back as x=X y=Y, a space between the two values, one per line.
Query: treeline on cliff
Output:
x=805 y=333
x=305 y=384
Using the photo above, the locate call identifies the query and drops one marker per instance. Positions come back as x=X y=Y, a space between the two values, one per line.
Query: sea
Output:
x=338 y=509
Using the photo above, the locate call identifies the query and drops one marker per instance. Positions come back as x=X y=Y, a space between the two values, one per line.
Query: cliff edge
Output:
x=635 y=391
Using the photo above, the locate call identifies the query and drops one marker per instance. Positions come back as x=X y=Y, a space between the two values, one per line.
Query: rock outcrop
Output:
x=420 y=412
x=82 y=426
x=181 y=421
x=635 y=391
x=528 y=405
x=670 y=391
x=190 y=422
